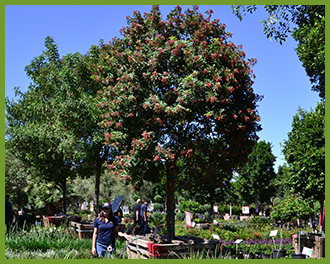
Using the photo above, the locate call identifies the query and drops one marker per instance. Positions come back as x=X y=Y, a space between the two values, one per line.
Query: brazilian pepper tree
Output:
x=172 y=90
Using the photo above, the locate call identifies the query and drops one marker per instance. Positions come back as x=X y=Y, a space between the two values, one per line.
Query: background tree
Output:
x=282 y=184
x=305 y=154
x=54 y=126
x=291 y=208
x=256 y=179
x=172 y=89
x=205 y=183
x=308 y=31
x=15 y=174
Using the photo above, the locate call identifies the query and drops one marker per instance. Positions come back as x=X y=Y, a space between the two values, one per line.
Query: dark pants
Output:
x=144 y=226
x=9 y=222
x=132 y=227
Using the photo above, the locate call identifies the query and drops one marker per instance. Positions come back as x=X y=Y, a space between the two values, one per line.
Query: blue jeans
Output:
x=103 y=249
x=144 y=226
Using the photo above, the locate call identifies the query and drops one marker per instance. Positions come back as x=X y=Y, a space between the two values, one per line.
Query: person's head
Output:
x=106 y=210
x=138 y=201
x=147 y=201
x=7 y=197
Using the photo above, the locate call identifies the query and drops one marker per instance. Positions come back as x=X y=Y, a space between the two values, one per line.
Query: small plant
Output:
x=157 y=219
x=180 y=216
x=158 y=207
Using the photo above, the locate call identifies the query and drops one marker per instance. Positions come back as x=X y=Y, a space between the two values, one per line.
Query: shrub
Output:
x=158 y=198
x=192 y=207
x=207 y=207
x=158 y=207
x=180 y=216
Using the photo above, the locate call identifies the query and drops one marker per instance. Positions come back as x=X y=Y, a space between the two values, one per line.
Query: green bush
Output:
x=157 y=219
x=158 y=198
x=180 y=216
x=180 y=199
x=158 y=207
x=207 y=207
x=192 y=207
x=290 y=209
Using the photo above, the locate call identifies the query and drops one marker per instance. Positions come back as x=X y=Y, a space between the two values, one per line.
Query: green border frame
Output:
x=148 y=2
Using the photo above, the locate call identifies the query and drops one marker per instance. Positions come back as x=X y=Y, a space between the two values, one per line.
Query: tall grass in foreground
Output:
x=51 y=243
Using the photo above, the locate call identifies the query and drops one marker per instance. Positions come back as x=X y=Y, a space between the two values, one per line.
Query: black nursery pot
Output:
x=240 y=255
x=265 y=256
x=279 y=253
x=298 y=256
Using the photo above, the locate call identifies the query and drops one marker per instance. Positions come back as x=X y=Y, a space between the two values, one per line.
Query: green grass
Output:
x=52 y=243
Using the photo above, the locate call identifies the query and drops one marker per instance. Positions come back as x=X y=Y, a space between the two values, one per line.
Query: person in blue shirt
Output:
x=143 y=217
x=105 y=232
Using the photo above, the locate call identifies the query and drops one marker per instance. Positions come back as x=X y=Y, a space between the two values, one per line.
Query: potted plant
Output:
x=157 y=219
x=266 y=253
x=298 y=255
x=279 y=253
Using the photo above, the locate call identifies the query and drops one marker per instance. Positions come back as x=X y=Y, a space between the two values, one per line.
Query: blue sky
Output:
x=280 y=76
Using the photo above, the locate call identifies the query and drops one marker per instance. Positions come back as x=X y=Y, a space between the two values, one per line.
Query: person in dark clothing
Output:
x=119 y=215
x=136 y=217
x=144 y=218
x=8 y=213
x=105 y=231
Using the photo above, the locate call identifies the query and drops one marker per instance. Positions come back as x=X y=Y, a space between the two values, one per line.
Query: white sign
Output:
x=245 y=210
x=216 y=237
x=188 y=219
x=307 y=251
x=215 y=208
x=238 y=241
x=273 y=233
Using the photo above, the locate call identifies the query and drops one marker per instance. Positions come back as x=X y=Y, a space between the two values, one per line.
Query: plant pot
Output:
x=265 y=256
x=257 y=255
x=279 y=253
x=156 y=230
x=240 y=255
x=298 y=256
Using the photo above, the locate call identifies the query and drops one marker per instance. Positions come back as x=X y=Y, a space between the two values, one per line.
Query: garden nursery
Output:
x=148 y=146
x=198 y=236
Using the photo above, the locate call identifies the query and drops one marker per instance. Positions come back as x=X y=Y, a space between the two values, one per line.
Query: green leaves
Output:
x=305 y=153
x=309 y=32
x=256 y=179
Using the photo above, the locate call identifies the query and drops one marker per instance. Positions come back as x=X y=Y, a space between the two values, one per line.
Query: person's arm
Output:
x=94 y=241
x=145 y=215
x=137 y=215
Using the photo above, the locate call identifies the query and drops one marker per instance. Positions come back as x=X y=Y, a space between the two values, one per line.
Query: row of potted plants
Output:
x=256 y=249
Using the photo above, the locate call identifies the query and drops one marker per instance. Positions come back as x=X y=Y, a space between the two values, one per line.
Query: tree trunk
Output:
x=210 y=213
x=256 y=203
x=64 y=195
x=322 y=225
x=313 y=217
x=170 y=202
x=97 y=189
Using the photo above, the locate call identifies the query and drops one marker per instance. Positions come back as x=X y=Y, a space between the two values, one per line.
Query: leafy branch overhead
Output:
x=306 y=24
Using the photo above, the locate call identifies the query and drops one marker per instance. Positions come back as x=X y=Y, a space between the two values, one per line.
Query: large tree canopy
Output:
x=53 y=127
x=173 y=89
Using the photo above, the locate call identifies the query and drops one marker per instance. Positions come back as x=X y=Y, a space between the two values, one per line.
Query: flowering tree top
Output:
x=173 y=89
